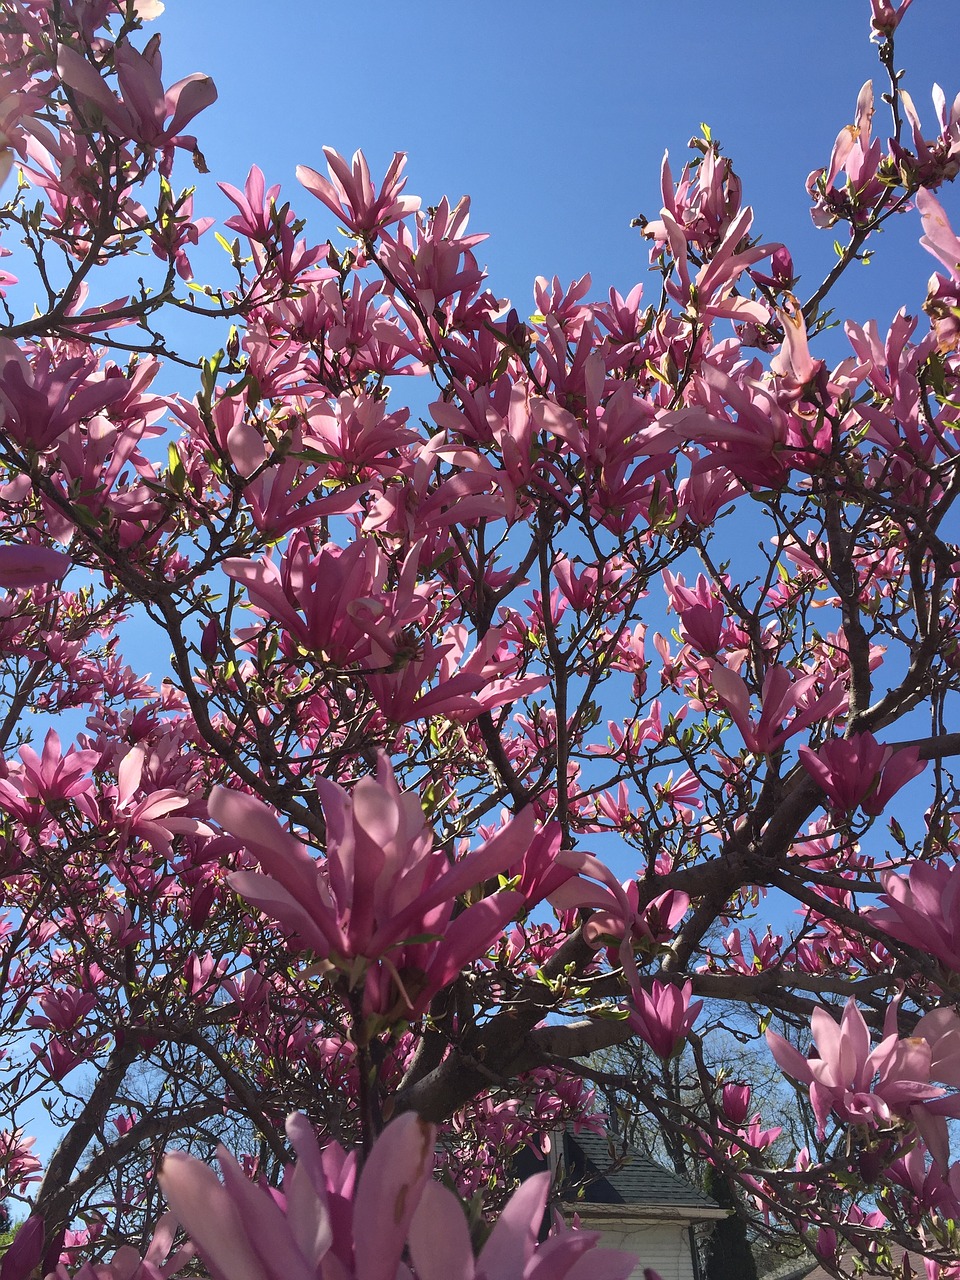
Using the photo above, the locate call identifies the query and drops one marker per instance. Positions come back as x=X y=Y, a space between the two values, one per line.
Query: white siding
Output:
x=663 y=1246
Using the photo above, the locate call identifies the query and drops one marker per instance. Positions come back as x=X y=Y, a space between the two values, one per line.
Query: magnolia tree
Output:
x=489 y=731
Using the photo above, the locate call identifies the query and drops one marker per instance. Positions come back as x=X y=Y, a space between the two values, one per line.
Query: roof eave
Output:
x=644 y=1212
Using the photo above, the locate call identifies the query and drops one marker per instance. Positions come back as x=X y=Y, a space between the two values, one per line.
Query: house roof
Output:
x=814 y=1271
x=615 y=1177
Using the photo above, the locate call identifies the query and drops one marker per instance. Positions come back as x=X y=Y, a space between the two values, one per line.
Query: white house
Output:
x=634 y=1203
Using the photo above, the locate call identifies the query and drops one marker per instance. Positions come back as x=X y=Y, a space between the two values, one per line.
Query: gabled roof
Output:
x=618 y=1178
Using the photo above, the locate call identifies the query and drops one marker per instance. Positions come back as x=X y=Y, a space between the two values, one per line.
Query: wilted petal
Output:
x=26 y=566
x=388 y=1193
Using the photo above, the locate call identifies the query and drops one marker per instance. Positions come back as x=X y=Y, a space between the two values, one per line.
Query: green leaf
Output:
x=175 y=467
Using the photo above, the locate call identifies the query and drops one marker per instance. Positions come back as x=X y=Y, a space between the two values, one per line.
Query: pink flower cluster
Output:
x=380 y=906
x=882 y=1086
x=335 y=1221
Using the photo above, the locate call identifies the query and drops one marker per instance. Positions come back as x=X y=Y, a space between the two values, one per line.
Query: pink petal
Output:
x=788 y=1059
x=512 y=1240
x=938 y=237
x=469 y=936
x=187 y=98
x=278 y=903
x=79 y=75
x=439 y=1237
x=129 y=774
x=209 y=1216
x=281 y=855
x=23 y=566
x=388 y=1193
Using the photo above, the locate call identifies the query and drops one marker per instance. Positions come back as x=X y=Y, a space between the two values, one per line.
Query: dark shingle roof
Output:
x=616 y=1173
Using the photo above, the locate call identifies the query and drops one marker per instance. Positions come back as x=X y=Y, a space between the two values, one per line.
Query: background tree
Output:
x=727 y=1249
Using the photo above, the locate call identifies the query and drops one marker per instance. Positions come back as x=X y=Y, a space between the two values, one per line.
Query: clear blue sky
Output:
x=554 y=116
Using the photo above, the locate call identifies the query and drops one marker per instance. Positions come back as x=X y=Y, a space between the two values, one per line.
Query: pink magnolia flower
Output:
x=151 y=817
x=202 y=975
x=438 y=268
x=663 y=1016
x=736 y=1102
x=458 y=687
x=258 y=218
x=885 y=17
x=711 y=290
x=703 y=203
x=342 y=595
x=414 y=506
x=158 y=1263
x=933 y=160
x=780 y=696
x=923 y=910
x=280 y=485
x=41 y=398
x=682 y=794
x=145 y=112
x=383 y=896
x=18 y=1165
x=63 y=1007
x=859 y=771
x=176 y=229
x=350 y=194
x=877 y=1086
x=700 y=610
x=46 y=779
x=763 y=442
x=328 y=1223
x=619 y=913
x=701 y=495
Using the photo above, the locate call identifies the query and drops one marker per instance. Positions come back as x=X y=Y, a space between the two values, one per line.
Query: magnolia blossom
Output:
x=736 y=1102
x=350 y=194
x=46 y=779
x=18 y=1165
x=879 y=1086
x=663 y=1015
x=160 y=1261
x=380 y=906
x=886 y=17
x=330 y=1222
x=859 y=771
x=154 y=116
x=781 y=697
x=923 y=910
